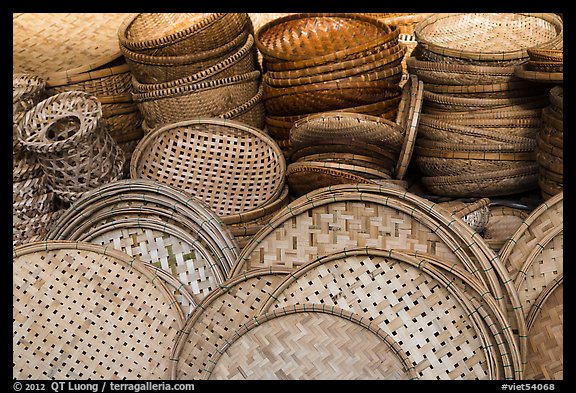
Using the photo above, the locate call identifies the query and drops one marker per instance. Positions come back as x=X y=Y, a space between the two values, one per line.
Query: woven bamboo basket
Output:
x=123 y=122
x=240 y=62
x=202 y=99
x=28 y=188
x=172 y=34
x=351 y=159
x=151 y=69
x=478 y=131
x=34 y=229
x=373 y=152
x=545 y=359
x=318 y=38
x=475 y=213
x=541 y=54
x=59 y=45
x=213 y=323
x=449 y=103
x=89 y=284
x=322 y=283
x=155 y=200
x=545 y=66
x=498 y=38
x=386 y=65
x=26 y=209
x=557 y=98
x=250 y=182
x=406 y=22
x=524 y=71
x=495 y=90
x=326 y=96
x=488 y=184
x=501 y=225
x=75 y=150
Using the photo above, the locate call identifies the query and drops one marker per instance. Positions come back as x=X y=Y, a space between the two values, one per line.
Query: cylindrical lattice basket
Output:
x=72 y=145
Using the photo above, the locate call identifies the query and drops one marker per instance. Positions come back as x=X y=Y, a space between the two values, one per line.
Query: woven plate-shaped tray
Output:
x=152 y=198
x=58 y=44
x=488 y=36
x=236 y=168
x=523 y=71
x=445 y=102
x=213 y=323
x=374 y=284
x=93 y=314
x=545 y=359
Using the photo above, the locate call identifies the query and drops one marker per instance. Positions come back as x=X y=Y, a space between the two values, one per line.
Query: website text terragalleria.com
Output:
x=134 y=387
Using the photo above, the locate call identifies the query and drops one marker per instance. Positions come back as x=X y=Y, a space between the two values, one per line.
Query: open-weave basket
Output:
x=72 y=145
x=498 y=38
x=227 y=164
x=147 y=68
x=27 y=91
x=92 y=305
x=203 y=99
x=171 y=34
x=34 y=229
x=405 y=21
x=319 y=38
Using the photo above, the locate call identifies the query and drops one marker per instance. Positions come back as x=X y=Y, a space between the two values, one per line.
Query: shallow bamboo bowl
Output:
x=229 y=165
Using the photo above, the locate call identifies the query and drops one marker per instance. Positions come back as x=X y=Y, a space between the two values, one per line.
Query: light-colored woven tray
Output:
x=236 y=168
x=55 y=45
x=375 y=283
x=91 y=307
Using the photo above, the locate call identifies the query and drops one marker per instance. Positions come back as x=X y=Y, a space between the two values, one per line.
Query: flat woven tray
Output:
x=54 y=45
x=236 y=168
x=92 y=305
x=367 y=282
x=488 y=36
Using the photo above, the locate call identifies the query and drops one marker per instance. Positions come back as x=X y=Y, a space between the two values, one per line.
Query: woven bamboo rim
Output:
x=542 y=54
x=177 y=33
x=551 y=136
x=459 y=74
x=542 y=265
x=361 y=170
x=58 y=44
x=388 y=66
x=88 y=76
x=477 y=90
x=259 y=218
x=522 y=71
x=342 y=146
x=340 y=66
x=275 y=39
x=545 y=32
x=491 y=184
x=450 y=166
x=201 y=220
x=507 y=112
x=303 y=177
x=342 y=326
x=545 y=360
x=557 y=97
x=549 y=179
x=480 y=151
x=178 y=255
x=270 y=162
x=208 y=327
x=162 y=311
x=449 y=102
x=343 y=125
x=220 y=69
x=411 y=125
x=545 y=66
x=351 y=159
x=327 y=96
x=494 y=121
x=351 y=261
x=456 y=132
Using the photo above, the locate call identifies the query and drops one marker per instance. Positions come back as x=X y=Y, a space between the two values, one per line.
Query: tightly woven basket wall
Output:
x=227 y=164
x=72 y=145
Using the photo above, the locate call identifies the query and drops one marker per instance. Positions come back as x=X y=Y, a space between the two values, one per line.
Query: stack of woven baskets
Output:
x=79 y=52
x=549 y=152
x=543 y=65
x=325 y=62
x=477 y=132
x=186 y=65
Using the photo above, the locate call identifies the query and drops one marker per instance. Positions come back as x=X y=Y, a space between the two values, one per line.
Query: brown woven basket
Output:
x=449 y=103
x=502 y=38
x=28 y=188
x=523 y=71
x=495 y=90
x=27 y=91
x=89 y=291
x=541 y=54
x=203 y=99
x=326 y=96
x=34 y=206
x=496 y=183
x=75 y=150
x=253 y=177
x=545 y=66
x=321 y=37
x=159 y=69
x=172 y=34
x=502 y=224
x=34 y=229
x=406 y=22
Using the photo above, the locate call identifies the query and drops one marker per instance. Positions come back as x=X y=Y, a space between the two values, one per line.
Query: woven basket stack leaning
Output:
x=323 y=62
x=186 y=65
x=288 y=196
x=549 y=152
x=477 y=132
